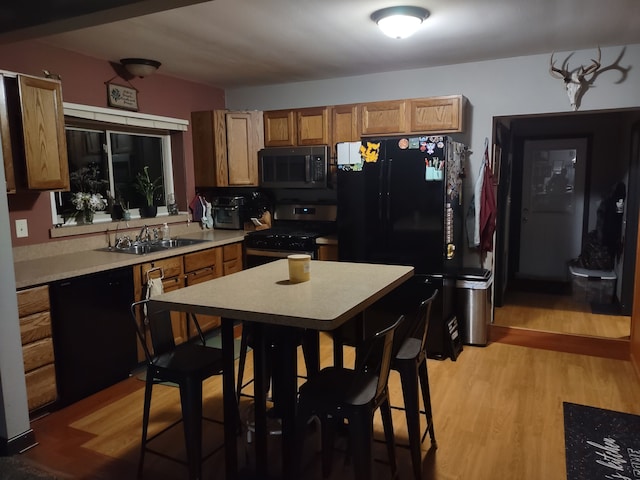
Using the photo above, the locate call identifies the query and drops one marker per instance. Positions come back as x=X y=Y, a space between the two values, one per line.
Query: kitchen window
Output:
x=107 y=162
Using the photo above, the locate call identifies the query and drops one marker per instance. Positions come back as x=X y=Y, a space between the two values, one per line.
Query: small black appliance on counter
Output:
x=228 y=212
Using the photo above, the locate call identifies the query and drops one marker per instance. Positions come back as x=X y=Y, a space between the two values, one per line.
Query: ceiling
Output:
x=235 y=43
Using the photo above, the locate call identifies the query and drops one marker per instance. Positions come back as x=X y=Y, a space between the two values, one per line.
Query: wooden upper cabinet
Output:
x=345 y=125
x=225 y=147
x=313 y=126
x=280 y=128
x=350 y=122
x=301 y=126
x=384 y=118
x=45 y=146
x=244 y=140
x=5 y=140
x=437 y=115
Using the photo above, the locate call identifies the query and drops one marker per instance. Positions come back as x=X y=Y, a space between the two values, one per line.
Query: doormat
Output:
x=601 y=444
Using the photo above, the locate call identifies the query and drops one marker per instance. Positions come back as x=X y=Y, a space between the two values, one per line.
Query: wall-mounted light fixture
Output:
x=140 y=67
x=400 y=21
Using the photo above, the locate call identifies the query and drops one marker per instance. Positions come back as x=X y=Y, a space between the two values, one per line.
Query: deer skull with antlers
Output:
x=575 y=81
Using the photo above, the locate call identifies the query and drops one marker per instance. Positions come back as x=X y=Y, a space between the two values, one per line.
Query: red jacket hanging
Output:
x=487 y=209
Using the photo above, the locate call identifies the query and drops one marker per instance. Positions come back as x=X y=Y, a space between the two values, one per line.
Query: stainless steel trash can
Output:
x=473 y=306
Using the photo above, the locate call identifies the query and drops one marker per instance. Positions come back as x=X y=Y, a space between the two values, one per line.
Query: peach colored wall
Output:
x=83 y=81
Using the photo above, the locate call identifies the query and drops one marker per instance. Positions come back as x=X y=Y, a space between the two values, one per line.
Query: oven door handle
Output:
x=274 y=253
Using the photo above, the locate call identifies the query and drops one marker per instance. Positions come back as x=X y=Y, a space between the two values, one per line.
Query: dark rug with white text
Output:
x=601 y=444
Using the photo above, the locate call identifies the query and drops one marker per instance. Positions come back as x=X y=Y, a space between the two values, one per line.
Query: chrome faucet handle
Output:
x=123 y=242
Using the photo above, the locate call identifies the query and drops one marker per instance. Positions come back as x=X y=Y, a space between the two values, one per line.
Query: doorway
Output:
x=552 y=207
x=610 y=159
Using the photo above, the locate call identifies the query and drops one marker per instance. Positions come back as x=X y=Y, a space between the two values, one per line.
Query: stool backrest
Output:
x=377 y=355
x=424 y=313
x=160 y=339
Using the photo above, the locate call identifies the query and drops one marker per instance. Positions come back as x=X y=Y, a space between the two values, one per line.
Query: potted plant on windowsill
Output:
x=87 y=199
x=148 y=188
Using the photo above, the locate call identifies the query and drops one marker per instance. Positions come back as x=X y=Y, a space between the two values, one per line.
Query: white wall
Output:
x=511 y=86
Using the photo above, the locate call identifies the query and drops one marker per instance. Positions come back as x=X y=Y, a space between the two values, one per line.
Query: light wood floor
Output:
x=498 y=415
x=558 y=313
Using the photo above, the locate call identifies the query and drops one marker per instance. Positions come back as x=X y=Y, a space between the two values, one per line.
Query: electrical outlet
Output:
x=22 y=230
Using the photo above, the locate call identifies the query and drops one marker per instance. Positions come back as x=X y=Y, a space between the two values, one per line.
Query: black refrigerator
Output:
x=399 y=202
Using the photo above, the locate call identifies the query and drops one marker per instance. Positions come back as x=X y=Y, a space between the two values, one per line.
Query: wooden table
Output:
x=263 y=295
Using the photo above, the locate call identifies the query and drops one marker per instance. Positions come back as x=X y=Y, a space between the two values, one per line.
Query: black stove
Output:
x=295 y=229
x=281 y=238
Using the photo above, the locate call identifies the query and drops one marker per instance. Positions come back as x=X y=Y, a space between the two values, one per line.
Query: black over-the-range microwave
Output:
x=294 y=167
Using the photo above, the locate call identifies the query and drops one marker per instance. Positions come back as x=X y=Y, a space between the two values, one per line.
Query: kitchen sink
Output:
x=150 y=247
x=177 y=242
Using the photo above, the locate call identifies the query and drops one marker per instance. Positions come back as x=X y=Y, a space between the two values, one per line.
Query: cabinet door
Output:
x=328 y=252
x=344 y=124
x=173 y=272
x=244 y=137
x=5 y=140
x=206 y=322
x=313 y=126
x=178 y=319
x=383 y=118
x=280 y=128
x=45 y=145
x=437 y=115
x=209 y=138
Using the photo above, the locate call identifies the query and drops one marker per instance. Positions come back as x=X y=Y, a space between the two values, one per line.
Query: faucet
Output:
x=144 y=236
x=120 y=242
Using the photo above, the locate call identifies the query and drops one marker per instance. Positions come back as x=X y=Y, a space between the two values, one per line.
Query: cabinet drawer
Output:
x=202 y=259
x=232 y=266
x=33 y=300
x=171 y=267
x=208 y=273
x=35 y=327
x=37 y=354
x=170 y=284
x=41 y=386
x=232 y=251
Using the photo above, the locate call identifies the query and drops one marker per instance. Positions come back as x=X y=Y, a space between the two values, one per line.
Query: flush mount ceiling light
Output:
x=401 y=21
x=140 y=67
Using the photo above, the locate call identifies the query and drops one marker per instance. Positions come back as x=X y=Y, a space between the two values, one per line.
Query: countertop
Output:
x=351 y=287
x=52 y=268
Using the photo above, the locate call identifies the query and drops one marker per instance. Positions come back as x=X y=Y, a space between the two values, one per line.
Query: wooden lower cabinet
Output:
x=37 y=346
x=172 y=273
x=200 y=267
x=232 y=256
x=186 y=270
x=328 y=252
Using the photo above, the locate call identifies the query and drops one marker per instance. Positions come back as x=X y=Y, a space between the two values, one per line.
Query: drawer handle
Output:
x=202 y=270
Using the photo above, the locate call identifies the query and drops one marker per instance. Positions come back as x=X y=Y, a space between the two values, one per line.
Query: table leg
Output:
x=229 y=399
x=289 y=364
x=260 y=388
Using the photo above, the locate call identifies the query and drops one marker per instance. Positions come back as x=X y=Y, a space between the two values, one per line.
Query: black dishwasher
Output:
x=93 y=335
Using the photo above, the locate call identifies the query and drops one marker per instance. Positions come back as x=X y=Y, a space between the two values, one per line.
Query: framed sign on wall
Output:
x=119 y=96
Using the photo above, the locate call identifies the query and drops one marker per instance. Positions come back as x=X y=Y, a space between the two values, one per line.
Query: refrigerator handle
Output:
x=380 y=193
x=388 y=192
